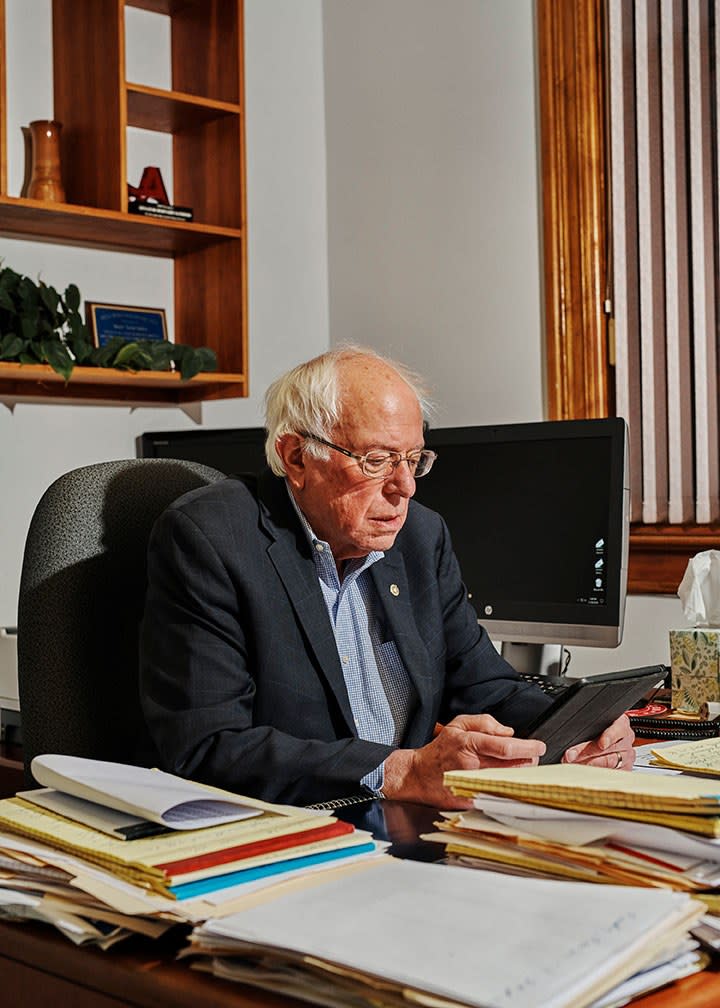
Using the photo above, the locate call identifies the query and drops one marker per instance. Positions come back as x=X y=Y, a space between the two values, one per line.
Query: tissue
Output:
x=699 y=590
x=695 y=654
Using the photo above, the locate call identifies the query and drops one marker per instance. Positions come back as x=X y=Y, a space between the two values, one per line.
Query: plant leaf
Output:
x=160 y=353
x=189 y=364
x=10 y=346
x=207 y=358
x=29 y=328
x=51 y=299
x=80 y=347
x=133 y=356
x=105 y=355
x=72 y=298
x=55 y=353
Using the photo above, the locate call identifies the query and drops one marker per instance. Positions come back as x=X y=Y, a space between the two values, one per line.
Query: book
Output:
x=166 y=210
x=152 y=795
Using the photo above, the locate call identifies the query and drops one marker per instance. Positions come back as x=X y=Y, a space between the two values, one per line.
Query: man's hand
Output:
x=613 y=749
x=468 y=742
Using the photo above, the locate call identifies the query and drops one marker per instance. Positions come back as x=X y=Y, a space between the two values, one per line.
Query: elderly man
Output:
x=307 y=634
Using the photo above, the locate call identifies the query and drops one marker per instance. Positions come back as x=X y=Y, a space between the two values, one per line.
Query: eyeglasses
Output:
x=379 y=464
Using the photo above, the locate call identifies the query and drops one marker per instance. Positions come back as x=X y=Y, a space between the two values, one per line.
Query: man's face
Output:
x=353 y=512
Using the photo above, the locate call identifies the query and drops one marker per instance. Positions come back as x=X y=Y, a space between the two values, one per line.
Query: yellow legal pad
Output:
x=685 y=803
x=702 y=756
x=136 y=860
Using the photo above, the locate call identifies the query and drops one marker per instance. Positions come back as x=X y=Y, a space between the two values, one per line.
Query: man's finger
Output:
x=485 y=723
x=503 y=748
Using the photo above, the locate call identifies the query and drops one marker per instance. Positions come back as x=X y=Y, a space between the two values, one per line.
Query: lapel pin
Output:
x=394 y=590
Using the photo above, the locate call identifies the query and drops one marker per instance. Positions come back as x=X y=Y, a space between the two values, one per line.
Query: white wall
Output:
x=433 y=231
x=287 y=246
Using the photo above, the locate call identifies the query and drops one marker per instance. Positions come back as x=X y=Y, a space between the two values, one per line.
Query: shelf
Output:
x=162 y=6
x=203 y=112
x=106 y=229
x=172 y=111
x=38 y=382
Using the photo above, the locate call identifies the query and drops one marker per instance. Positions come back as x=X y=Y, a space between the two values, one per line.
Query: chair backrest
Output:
x=82 y=591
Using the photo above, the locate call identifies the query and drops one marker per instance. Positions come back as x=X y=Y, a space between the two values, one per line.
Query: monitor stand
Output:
x=533 y=659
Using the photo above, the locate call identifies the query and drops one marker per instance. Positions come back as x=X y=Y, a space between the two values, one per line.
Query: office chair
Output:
x=82 y=591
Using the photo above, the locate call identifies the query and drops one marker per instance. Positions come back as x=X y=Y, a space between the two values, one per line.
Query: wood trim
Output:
x=659 y=555
x=572 y=141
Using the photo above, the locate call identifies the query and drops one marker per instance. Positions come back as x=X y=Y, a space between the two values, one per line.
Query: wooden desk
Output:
x=39 y=967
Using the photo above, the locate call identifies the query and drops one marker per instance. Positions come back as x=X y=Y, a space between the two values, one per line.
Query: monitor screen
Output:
x=538 y=514
x=232 y=450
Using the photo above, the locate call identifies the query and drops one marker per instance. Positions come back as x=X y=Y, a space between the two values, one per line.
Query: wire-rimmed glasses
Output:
x=379 y=464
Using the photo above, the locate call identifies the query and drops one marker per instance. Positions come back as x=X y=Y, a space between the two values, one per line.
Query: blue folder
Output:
x=186 y=890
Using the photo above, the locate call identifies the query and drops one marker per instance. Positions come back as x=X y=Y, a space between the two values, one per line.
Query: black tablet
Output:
x=589 y=706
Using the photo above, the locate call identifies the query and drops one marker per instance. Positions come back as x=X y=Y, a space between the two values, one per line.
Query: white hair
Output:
x=307 y=400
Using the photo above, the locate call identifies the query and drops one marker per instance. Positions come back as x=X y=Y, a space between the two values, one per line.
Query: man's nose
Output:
x=401 y=479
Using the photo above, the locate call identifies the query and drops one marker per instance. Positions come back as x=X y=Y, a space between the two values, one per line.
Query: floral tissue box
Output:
x=695 y=663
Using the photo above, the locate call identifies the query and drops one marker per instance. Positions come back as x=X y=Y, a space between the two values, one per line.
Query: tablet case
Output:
x=589 y=706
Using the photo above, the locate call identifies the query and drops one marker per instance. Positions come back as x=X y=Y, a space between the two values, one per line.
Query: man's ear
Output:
x=290 y=449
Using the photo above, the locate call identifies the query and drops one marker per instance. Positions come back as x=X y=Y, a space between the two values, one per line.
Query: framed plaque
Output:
x=106 y=321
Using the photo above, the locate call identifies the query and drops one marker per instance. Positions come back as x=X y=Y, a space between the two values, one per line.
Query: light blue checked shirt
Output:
x=377 y=682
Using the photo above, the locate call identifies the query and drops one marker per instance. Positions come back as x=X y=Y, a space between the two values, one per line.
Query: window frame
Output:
x=572 y=83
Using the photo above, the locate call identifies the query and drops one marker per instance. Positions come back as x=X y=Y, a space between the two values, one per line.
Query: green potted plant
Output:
x=38 y=325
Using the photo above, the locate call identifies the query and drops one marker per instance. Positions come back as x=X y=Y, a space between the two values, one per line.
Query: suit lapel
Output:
x=289 y=552
x=390 y=579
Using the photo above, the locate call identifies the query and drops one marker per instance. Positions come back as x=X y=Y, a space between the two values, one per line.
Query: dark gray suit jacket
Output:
x=239 y=671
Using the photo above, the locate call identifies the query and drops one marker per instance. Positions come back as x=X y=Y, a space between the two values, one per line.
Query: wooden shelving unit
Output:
x=204 y=113
x=108 y=385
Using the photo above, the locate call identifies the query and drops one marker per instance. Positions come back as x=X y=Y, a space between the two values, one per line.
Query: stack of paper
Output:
x=394 y=932
x=530 y=839
x=587 y=824
x=63 y=847
x=687 y=803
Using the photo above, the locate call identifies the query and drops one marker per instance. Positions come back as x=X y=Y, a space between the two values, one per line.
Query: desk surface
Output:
x=40 y=967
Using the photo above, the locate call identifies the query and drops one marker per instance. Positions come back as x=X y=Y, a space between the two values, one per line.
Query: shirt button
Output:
x=345 y=659
x=319 y=547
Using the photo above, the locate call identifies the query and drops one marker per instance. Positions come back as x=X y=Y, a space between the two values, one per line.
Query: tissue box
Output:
x=695 y=662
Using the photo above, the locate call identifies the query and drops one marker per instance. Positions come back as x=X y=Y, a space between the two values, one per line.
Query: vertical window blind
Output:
x=664 y=175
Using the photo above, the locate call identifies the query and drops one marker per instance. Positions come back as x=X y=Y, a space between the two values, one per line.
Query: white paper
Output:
x=568 y=827
x=103 y=885
x=643 y=755
x=152 y=794
x=108 y=820
x=480 y=938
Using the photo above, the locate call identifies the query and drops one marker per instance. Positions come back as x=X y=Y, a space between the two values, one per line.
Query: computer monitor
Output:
x=539 y=519
x=231 y=450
